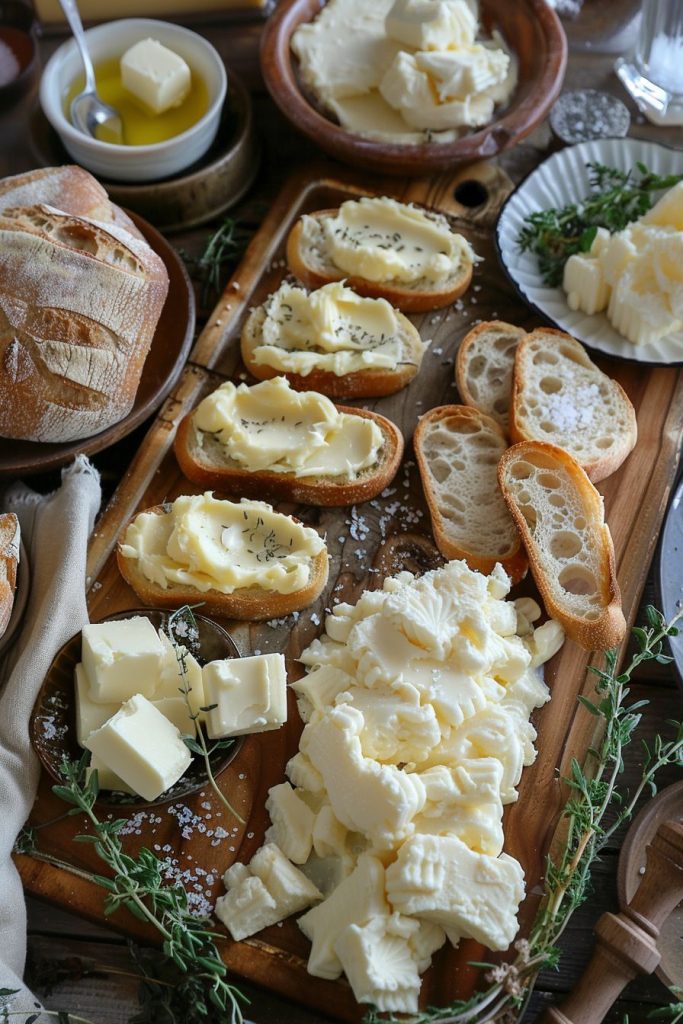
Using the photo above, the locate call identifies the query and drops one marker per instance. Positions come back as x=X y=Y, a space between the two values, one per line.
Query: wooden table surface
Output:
x=109 y=997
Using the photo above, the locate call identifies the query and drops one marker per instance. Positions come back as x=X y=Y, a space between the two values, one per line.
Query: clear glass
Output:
x=654 y=74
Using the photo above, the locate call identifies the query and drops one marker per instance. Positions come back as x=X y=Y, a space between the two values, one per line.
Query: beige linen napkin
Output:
x=55 y=531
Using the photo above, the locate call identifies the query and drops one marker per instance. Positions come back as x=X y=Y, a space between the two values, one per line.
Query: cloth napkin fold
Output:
x=55 y=530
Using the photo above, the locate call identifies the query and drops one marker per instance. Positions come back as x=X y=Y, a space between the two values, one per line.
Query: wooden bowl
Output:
x=530 y=27
x=52 y=727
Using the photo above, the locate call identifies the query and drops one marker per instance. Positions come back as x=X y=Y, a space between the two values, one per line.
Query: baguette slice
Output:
x=9 y=561
x=458 y=450
x=560 y=396
x=373 y=382
x=208 y=466
x=561 y=518
x=484 y=365
x=315 y=268
x=247 y=603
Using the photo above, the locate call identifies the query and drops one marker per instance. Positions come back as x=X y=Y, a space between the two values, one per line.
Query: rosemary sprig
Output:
x=184 y=617
x=223 y=249
x=616 y=198
x=594 y=793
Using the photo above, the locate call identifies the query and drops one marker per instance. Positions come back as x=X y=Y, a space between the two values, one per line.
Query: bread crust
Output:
x=597 y=469
x=370 y=383
x=287 y=486
x=462 y=362
x=515 y=563
x=247 y=604
x=608 y=630
x=9 y=562
x=408 y=300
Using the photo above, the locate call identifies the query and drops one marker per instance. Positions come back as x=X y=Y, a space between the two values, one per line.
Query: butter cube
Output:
x=585 y=284
x=90 y=715
x=121 y=658
x=157 y=76
x=171 y=682
x=249 y=694
x=106 y=778
x=142 y=747
x=177 y=712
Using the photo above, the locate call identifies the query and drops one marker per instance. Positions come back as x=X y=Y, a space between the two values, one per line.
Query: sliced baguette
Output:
x=369 y=383
x=206 y=464
x=560 y=515
x=560 y=396
x=247 y=603
x=483 y=368
x=9 y=561
x=458 y=450
x=311 y=264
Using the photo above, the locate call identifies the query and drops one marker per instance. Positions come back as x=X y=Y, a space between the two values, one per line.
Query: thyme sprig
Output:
x=222 y=251
x=595 y=809
x=616 y=198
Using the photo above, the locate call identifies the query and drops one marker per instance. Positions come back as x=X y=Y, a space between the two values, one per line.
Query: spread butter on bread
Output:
x=484 y=365
x=242 y=560
x=382 y=248
x=560 y=396
x=560 y=515
x=458 y=449
x=333 y=341
x=272 y=442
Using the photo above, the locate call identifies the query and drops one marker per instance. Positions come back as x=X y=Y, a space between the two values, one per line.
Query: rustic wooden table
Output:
x=109 y=996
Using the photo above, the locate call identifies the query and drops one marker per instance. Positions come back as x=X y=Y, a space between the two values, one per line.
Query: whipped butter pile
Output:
x=416 y=703
x=635 y=275
x=331 y=329
x=406 y=70
x=271 y=427
x=210 y=544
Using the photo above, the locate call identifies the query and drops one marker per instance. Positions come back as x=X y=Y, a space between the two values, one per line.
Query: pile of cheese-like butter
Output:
x=416 y=703
x=400 y=68
x=636 y=275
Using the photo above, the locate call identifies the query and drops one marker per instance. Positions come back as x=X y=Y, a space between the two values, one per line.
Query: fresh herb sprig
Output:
x=616 y=198
x=222 y=251
x=594 y=796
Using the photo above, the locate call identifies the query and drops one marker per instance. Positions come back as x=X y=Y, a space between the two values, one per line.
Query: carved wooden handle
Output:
x=627 y=942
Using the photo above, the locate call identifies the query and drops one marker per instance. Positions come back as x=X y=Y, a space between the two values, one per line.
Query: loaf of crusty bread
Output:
x=457 y=450
x=68 y=188
x=560 y=515
x=560 y=396
x=309 y=262
x=484 y=365
x=79 y=304
x=205 y=463
x=9 y=561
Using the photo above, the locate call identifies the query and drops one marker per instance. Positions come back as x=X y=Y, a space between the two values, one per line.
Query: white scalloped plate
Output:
x=563 y=178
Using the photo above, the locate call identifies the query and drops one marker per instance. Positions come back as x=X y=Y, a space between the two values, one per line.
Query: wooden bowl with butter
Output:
x=368 y=68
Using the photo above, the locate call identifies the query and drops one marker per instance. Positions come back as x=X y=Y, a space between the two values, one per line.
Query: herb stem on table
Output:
x=222 y=251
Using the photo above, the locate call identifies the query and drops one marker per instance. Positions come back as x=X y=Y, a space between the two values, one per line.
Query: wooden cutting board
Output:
x=365 y=543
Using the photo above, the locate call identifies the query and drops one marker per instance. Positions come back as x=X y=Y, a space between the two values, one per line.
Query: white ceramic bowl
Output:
x=134 y=163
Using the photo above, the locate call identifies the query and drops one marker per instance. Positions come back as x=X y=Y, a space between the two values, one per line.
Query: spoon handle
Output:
x=73 y=16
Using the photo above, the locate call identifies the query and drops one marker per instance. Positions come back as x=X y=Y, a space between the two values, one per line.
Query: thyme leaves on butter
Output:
x=615 y=200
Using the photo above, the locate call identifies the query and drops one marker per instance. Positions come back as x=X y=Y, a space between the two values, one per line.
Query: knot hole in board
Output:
x=471 y=193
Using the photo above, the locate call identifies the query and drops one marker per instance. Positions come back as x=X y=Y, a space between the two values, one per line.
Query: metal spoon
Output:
x=88 y=112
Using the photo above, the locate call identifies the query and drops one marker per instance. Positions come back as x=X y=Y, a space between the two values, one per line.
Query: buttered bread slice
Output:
x=332 y=340
x=561 y=397
x=272 y=441
x=457 y=451
x=242 y=560
x=404 y=253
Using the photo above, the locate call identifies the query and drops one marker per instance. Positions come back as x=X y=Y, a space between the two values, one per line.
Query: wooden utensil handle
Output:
x=627 y=942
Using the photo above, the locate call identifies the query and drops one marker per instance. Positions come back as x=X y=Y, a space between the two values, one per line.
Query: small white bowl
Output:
x=134 y=163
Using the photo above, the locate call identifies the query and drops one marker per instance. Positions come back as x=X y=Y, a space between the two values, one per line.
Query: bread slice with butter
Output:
x=561 y=397
x=241 y=560
x=382 y=248
x=484 y=366
x=276 y=443
x=560 y=516
x=332 y=340
x=457 y=450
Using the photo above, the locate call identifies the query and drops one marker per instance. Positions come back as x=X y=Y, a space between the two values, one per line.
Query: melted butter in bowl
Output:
x=141 y=127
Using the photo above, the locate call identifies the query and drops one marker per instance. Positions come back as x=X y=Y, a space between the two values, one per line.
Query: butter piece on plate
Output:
x=157 y=76
x=90 y=714
x=120 y=658
x=142 y=747
x=249 y=694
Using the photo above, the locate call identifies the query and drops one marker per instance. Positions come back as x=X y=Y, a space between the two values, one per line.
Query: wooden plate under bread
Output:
x=167 y=356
